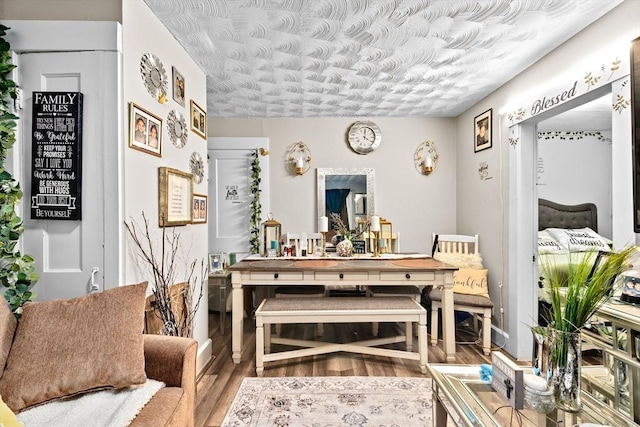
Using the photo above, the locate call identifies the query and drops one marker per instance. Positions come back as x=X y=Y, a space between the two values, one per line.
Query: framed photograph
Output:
x=198 y=120
x=482 y=130
x=178 y=86
x=215 y=262
x=175 y=198
x=199 y=209
x=145 y=130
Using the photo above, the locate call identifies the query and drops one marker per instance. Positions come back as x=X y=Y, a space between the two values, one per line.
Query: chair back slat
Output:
x=457 y=243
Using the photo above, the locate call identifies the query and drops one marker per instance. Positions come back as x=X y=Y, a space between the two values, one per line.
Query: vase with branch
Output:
x=161 y=260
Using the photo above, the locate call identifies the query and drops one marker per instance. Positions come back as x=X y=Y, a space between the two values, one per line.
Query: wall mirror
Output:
x=349 y=192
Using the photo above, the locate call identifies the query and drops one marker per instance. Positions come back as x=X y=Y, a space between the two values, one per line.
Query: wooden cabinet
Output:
x=617 y=380
x=219 y=288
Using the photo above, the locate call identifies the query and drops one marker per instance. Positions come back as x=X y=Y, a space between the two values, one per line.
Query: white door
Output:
x=69 y=254
x=230 y=198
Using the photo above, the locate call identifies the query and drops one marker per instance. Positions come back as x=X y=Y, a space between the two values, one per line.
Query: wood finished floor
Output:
x=220 y=381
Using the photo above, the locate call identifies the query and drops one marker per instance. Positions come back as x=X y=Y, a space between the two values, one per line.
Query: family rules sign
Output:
x=56 y=156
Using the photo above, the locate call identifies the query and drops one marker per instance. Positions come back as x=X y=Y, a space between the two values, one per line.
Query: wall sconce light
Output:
x=426 y=157
x=299 y=158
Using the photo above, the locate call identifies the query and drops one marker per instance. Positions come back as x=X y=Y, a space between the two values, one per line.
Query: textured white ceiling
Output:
x=309 y=58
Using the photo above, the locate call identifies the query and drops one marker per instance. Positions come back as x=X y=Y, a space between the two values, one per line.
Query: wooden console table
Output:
x=392 y=270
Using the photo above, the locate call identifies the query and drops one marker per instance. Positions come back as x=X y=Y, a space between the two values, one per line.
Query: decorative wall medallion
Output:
x=196 y=166
x=177 y=128
x=154 y=77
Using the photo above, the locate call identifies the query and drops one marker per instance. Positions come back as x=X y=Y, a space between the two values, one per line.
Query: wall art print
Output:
x=482 y=131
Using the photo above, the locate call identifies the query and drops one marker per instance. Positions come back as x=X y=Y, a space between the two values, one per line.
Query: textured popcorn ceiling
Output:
x=309 y=58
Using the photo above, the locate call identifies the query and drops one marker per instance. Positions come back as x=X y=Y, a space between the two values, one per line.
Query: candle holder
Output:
x=376 y=244
x=426 y=157
x=324 y=244
x=298 y=158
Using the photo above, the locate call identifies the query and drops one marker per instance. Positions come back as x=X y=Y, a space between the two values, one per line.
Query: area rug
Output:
x=331 y=402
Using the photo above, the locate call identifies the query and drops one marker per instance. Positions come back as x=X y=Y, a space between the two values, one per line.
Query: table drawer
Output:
x=336 y=276
x=284 y=277
x=418 y=276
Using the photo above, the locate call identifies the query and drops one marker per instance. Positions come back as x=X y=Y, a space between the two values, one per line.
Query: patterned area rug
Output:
x=332 y=402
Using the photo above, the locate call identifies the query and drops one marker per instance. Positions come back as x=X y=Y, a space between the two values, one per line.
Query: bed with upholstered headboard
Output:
x=556 y=215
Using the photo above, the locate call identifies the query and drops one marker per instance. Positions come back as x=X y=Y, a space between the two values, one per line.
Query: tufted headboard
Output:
x=555 y=215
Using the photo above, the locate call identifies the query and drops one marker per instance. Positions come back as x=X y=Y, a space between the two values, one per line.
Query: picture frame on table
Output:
x=175 y=197
x=178 y=86
x=216 y=263
x=482 y=130
x=198 y=120
x=199 y=209
x=145 y=130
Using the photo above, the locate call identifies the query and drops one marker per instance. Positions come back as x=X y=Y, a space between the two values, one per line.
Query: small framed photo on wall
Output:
x=198 y=120
x=482 y=131
x=145 y=130
x=178 y=86
x=199 y=209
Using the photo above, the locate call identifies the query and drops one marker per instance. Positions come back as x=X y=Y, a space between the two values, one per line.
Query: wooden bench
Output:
x=339 y=310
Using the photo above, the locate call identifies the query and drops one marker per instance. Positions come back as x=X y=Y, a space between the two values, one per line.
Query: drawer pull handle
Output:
x=275 y=276
x=408 y=276
x=341 y=276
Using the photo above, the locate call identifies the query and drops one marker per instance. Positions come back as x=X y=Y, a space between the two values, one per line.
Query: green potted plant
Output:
x=17 y=272
x=575 y=296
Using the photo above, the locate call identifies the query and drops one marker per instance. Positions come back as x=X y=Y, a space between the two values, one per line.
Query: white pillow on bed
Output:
x=549 y=245
x=579 y=239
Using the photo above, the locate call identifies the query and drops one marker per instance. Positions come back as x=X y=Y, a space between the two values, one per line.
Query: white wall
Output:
x=619 y=26
x=417 y=205
x=143 y=33
x=573 y=171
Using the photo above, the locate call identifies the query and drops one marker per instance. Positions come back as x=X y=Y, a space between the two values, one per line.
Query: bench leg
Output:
x=408 y=330
x=422 y=343
x=486 y=332
x=259 y=346
x=267 y=338
x=434 y=324
x=320 y=330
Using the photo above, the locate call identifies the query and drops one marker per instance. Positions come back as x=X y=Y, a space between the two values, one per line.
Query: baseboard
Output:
x=499 y=337
x=205 y=352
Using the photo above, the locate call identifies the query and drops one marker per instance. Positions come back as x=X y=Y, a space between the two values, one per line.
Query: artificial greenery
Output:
x=577 y=294
x=256 y=208
x=17 y=272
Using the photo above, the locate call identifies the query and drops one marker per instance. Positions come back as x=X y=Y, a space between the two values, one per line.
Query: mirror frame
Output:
x=322 y=174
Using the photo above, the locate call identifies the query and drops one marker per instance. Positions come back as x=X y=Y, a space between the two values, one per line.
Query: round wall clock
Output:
x=177 y=128
x=196 y=166
x=364 y=137
x=154 y=77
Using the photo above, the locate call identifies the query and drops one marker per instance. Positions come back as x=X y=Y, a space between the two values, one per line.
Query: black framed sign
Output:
x=56 y=157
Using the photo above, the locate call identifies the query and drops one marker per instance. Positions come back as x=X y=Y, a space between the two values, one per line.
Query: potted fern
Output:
x=575 y=296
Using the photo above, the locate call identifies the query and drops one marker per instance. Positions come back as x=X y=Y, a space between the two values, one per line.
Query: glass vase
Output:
x=565 y=365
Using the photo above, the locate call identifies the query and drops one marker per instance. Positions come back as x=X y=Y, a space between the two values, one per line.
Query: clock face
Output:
x=364 y=137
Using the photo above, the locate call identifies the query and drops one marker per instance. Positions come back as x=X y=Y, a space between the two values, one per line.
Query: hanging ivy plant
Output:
x=256 y=208
x=17 y=272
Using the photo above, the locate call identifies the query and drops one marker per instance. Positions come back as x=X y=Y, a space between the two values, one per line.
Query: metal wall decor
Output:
x=426 y=157
x=299 y=158
x=196 y=167
x=154 y=77
x=177 y=128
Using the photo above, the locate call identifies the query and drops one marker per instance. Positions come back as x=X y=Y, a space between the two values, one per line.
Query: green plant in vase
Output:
x=575 y=296
x=345 y=246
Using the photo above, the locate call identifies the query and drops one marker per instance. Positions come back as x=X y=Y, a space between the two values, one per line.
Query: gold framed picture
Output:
x=199 y=209
x=175 y=198
x=145 y=130
x=198 y=120
x=178 y=86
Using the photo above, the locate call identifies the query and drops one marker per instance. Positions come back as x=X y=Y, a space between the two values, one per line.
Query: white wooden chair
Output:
x=474 y=304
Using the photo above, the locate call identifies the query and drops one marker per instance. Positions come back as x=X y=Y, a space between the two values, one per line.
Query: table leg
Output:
x=448 y=319
x=439 y=411
x=237 y=317
x=223 y=307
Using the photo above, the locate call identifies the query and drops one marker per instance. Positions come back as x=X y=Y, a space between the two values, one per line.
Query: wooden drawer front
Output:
x=284 y=277
x=337 y=276
x=418 y=276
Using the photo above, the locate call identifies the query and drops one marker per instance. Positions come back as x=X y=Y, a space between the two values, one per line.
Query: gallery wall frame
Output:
x=145 y=130
x=200 y=209
x=482 y=129
x=178 y=86
x=175 y=197
x=198 y=120
x=635 y=129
